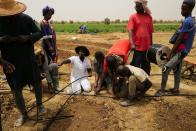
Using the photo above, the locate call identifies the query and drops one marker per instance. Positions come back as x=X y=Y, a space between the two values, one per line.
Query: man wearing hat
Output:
x=18 y=33
x=181 y=48
x=140 y=29
x=81 y=69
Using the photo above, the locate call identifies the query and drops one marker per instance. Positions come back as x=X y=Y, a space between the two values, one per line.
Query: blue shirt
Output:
x=45 y=28
x=188 y=28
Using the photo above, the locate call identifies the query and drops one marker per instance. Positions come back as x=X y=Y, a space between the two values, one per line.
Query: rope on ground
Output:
x=59 y=111
x=50 y=118
x=55 y=94
x=159 y=74
x=55 y=117
x=166 y=95
x=73 y=94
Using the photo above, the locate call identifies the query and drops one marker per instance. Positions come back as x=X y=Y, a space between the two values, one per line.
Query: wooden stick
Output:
x=5 y=92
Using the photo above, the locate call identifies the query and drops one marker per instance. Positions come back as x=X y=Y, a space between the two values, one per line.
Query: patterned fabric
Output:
x=49 y=39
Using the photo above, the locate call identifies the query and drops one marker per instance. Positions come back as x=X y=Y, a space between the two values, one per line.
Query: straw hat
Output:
x=11 y=7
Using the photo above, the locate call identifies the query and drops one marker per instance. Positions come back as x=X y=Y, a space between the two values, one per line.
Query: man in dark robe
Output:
x=18 y=33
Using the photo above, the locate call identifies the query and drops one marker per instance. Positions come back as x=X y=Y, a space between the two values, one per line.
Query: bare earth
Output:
x=86 y=113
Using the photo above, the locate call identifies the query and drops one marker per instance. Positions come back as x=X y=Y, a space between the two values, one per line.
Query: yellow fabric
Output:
x=11 y=7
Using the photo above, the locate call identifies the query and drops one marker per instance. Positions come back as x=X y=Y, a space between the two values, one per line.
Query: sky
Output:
x=98 y=10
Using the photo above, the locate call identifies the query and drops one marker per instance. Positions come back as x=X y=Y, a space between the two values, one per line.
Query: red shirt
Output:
x=142 y=26
x=120 y=48
x=182 y=46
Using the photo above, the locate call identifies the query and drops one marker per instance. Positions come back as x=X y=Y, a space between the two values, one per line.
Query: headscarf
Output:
x=190 y=2
x=46 y=10
x=144 y=4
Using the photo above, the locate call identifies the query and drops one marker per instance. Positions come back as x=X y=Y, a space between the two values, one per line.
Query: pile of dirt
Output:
x=88 y=115
x=7 y=103
x=7 y=106
x=176 y=114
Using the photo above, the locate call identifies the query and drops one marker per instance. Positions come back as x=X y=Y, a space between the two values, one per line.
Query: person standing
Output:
x=49 y=48
x=54 y=40
x=181 y=48
x=140 y=29
x=49 y=38
x=18 y=33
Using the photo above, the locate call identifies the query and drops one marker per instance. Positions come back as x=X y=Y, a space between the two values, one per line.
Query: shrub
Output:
x=71 y=21
x=117 y=21
x=107 y=21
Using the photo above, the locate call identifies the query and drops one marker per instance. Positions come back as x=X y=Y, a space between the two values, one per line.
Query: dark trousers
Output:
x=139 y=60
x=20 y=103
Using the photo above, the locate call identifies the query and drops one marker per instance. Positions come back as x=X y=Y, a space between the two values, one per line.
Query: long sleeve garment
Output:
x=21 y=55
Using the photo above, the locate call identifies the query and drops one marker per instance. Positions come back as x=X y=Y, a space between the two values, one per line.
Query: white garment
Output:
x=140 y=74
x=79 y=70
x=76 y=86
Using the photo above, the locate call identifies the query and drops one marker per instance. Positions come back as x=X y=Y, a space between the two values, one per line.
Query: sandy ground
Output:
x=103 y=113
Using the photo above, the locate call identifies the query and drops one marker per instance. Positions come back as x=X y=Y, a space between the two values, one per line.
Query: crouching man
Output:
x=50 y=71
x=131 y=82
x=117 y=55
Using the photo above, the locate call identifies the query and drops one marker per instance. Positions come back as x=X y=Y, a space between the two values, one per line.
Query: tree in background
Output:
x=71 y=21
x=117 y=21
x=107 y=21
x=62 y=22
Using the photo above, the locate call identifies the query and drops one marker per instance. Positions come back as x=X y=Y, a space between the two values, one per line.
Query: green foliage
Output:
x=71 y=21
x=91 y=27
x=166 y=27
x=101 y=27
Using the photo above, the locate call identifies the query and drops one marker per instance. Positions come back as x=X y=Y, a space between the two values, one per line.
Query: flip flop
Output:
x=159 y=93
x=174 y=91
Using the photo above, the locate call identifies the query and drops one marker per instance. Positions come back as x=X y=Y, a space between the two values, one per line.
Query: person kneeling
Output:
x=81 y=69
x=131 y=82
